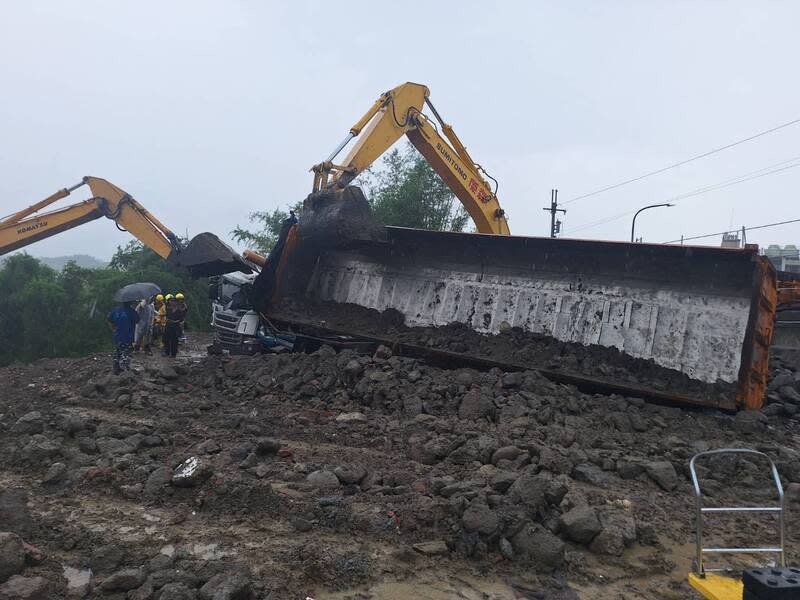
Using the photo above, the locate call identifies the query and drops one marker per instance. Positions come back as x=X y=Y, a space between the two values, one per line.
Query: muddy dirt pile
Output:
x=348 y=476
x=514 y=346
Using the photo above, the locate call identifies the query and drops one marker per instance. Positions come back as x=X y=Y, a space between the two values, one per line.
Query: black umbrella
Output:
x=136 y=291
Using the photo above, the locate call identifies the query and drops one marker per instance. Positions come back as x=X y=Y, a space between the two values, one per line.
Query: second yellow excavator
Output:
x=205 y=255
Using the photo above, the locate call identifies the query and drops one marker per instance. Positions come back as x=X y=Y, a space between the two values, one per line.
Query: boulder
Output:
x=352 y=417
x=540 y=546
x=475 y=406
x=55 y=473
x=511 y=380
x=529 y=489
x=157 y=480
x=266 y=446
x=168 y=372
x=505 y=453
x=556 y=490
x=25 y=588
x=789 y=394
x=479 y=518
x=124 y=580
x=591 y=474
x=780 y=379
x=14 y=513
x=629 y=470
x=503 y=480
x=663 y=473
x=428 y=452
x=226 y=586
x=580 y=524
x=12 y=555
x=350 y=475
x=29 y=423
x=619 y=532
x=323 y=480
x=208 y=447
x=105 y=559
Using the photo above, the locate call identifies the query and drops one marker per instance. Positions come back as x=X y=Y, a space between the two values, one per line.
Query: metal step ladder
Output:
x=702 y=578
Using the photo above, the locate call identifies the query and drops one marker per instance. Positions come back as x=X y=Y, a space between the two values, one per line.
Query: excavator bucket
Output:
x=705 y=312
x=206 y=255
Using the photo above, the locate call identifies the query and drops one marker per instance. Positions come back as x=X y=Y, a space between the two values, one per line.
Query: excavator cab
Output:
x=773 y=582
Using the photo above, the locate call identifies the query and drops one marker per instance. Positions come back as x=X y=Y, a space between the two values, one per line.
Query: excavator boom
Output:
x=204 y=256
x=396 y=113
x=28 y=225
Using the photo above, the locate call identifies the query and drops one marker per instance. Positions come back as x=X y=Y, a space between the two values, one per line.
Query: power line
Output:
x=603 y=221
x=683 y=162
x=708 y=235
x=758 y=173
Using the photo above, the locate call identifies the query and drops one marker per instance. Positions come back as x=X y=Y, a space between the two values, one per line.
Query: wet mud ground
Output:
x=344 y=476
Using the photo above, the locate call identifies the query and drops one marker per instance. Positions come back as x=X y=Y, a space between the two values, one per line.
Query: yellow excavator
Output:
x=398 y=112
x=205 y=255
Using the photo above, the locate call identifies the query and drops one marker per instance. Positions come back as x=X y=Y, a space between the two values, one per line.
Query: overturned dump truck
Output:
x=705 y=312
x=692 y=324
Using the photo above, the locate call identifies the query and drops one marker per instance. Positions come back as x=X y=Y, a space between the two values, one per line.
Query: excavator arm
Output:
x=396 y=113
x=28 y=225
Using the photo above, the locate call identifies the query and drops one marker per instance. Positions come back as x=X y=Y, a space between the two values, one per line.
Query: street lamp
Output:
x=633 y=224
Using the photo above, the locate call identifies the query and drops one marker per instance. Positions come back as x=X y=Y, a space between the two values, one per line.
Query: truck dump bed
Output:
x=706 y=312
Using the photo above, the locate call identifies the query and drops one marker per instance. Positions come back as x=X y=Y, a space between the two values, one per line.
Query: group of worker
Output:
x=137 y=325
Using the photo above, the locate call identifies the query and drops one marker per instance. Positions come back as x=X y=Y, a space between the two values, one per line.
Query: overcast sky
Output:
x=206 y=111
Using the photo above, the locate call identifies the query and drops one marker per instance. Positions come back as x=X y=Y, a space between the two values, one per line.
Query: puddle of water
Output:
x=77 y=577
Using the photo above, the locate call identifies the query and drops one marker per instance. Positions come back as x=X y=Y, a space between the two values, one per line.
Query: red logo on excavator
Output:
x=478 y=190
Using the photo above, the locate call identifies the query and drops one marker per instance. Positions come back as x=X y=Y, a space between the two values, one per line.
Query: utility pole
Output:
x=555 y=226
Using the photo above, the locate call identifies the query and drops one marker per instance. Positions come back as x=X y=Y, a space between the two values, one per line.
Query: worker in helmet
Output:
x=162 y=322
x=158 y=318
x=172 y=329
x=183 y=309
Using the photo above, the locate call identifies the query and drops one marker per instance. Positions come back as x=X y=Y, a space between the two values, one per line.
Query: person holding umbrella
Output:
x=122 y=321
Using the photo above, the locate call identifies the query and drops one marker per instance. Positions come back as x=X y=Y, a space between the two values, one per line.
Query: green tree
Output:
x=406 y=192
x=20 y=276
x=403 y=191
x=268 y=228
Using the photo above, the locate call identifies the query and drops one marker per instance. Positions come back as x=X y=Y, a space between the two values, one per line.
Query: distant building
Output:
x=731 y=240
x=784 y=259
